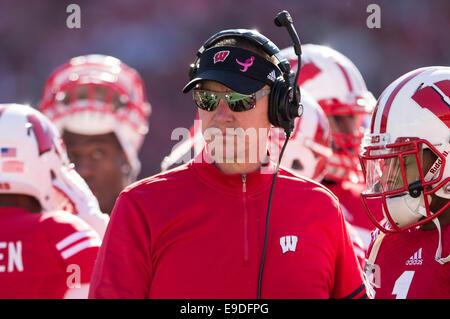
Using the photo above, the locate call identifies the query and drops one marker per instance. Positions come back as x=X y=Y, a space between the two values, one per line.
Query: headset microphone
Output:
x=284 y=19
x=292 y=109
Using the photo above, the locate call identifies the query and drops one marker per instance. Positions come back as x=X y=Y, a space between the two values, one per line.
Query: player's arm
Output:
x=85 y=203
x=358 y=245
x=76 y=246
x=124 y=267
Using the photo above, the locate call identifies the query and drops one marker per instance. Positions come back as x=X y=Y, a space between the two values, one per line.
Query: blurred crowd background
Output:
x=160 y=38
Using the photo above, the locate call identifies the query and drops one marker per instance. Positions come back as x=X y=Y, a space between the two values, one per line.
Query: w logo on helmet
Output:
x=436 y=98
x=221 y=56
x=309 y=71
x=44 y=135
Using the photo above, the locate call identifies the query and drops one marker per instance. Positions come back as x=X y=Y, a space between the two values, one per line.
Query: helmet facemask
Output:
x=347 y=124
x=404 y=176
x=98 y=94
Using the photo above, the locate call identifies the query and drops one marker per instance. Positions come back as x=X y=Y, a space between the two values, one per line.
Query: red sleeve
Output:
x=358 y=245
x=75 y=244
x=123 y=268
x=348 y=281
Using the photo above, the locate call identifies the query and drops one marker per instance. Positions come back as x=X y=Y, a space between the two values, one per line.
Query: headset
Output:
x=284 y=98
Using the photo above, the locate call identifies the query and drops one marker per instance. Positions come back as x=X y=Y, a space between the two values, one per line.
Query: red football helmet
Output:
x=98 y=94
x=337 y=85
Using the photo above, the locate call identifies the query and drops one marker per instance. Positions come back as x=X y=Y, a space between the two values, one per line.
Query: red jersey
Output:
x=194 y=232
x=358 y=245
x=348 y=194
x=404 y=267
x=42 y=255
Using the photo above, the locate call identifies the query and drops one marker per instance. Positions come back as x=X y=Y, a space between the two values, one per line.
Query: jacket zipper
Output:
x=244 y=198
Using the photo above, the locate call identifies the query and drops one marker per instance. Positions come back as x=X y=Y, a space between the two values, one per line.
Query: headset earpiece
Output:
x=274 y=100
x=281 y=103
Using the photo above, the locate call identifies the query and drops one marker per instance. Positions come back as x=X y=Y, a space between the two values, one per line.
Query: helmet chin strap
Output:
x=420 y=210
x=406 y=209
x=437 y=256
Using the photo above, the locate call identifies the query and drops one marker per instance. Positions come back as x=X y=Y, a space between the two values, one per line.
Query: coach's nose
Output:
x=223 y=114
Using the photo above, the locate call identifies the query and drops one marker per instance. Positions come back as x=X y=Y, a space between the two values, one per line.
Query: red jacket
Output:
x=194 y=232
x=348 y=194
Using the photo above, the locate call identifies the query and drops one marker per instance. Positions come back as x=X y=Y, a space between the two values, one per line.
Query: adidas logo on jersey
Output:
x=271 y=76
x=415 y=259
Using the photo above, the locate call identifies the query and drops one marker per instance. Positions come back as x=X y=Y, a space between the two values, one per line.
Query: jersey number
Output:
x=402 y=284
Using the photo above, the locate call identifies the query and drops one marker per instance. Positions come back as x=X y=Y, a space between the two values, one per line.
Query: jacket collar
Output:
x=233 y=184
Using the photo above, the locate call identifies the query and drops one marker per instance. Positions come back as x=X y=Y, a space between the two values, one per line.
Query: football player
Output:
x=99 y=105
x=47 y=250
x=406 y=164
x=339 y=88
x=309 y=151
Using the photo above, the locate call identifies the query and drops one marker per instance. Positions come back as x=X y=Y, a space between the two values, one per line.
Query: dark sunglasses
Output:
x=237 y=102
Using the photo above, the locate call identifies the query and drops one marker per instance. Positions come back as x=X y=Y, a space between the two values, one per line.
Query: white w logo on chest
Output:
x=288 y=243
